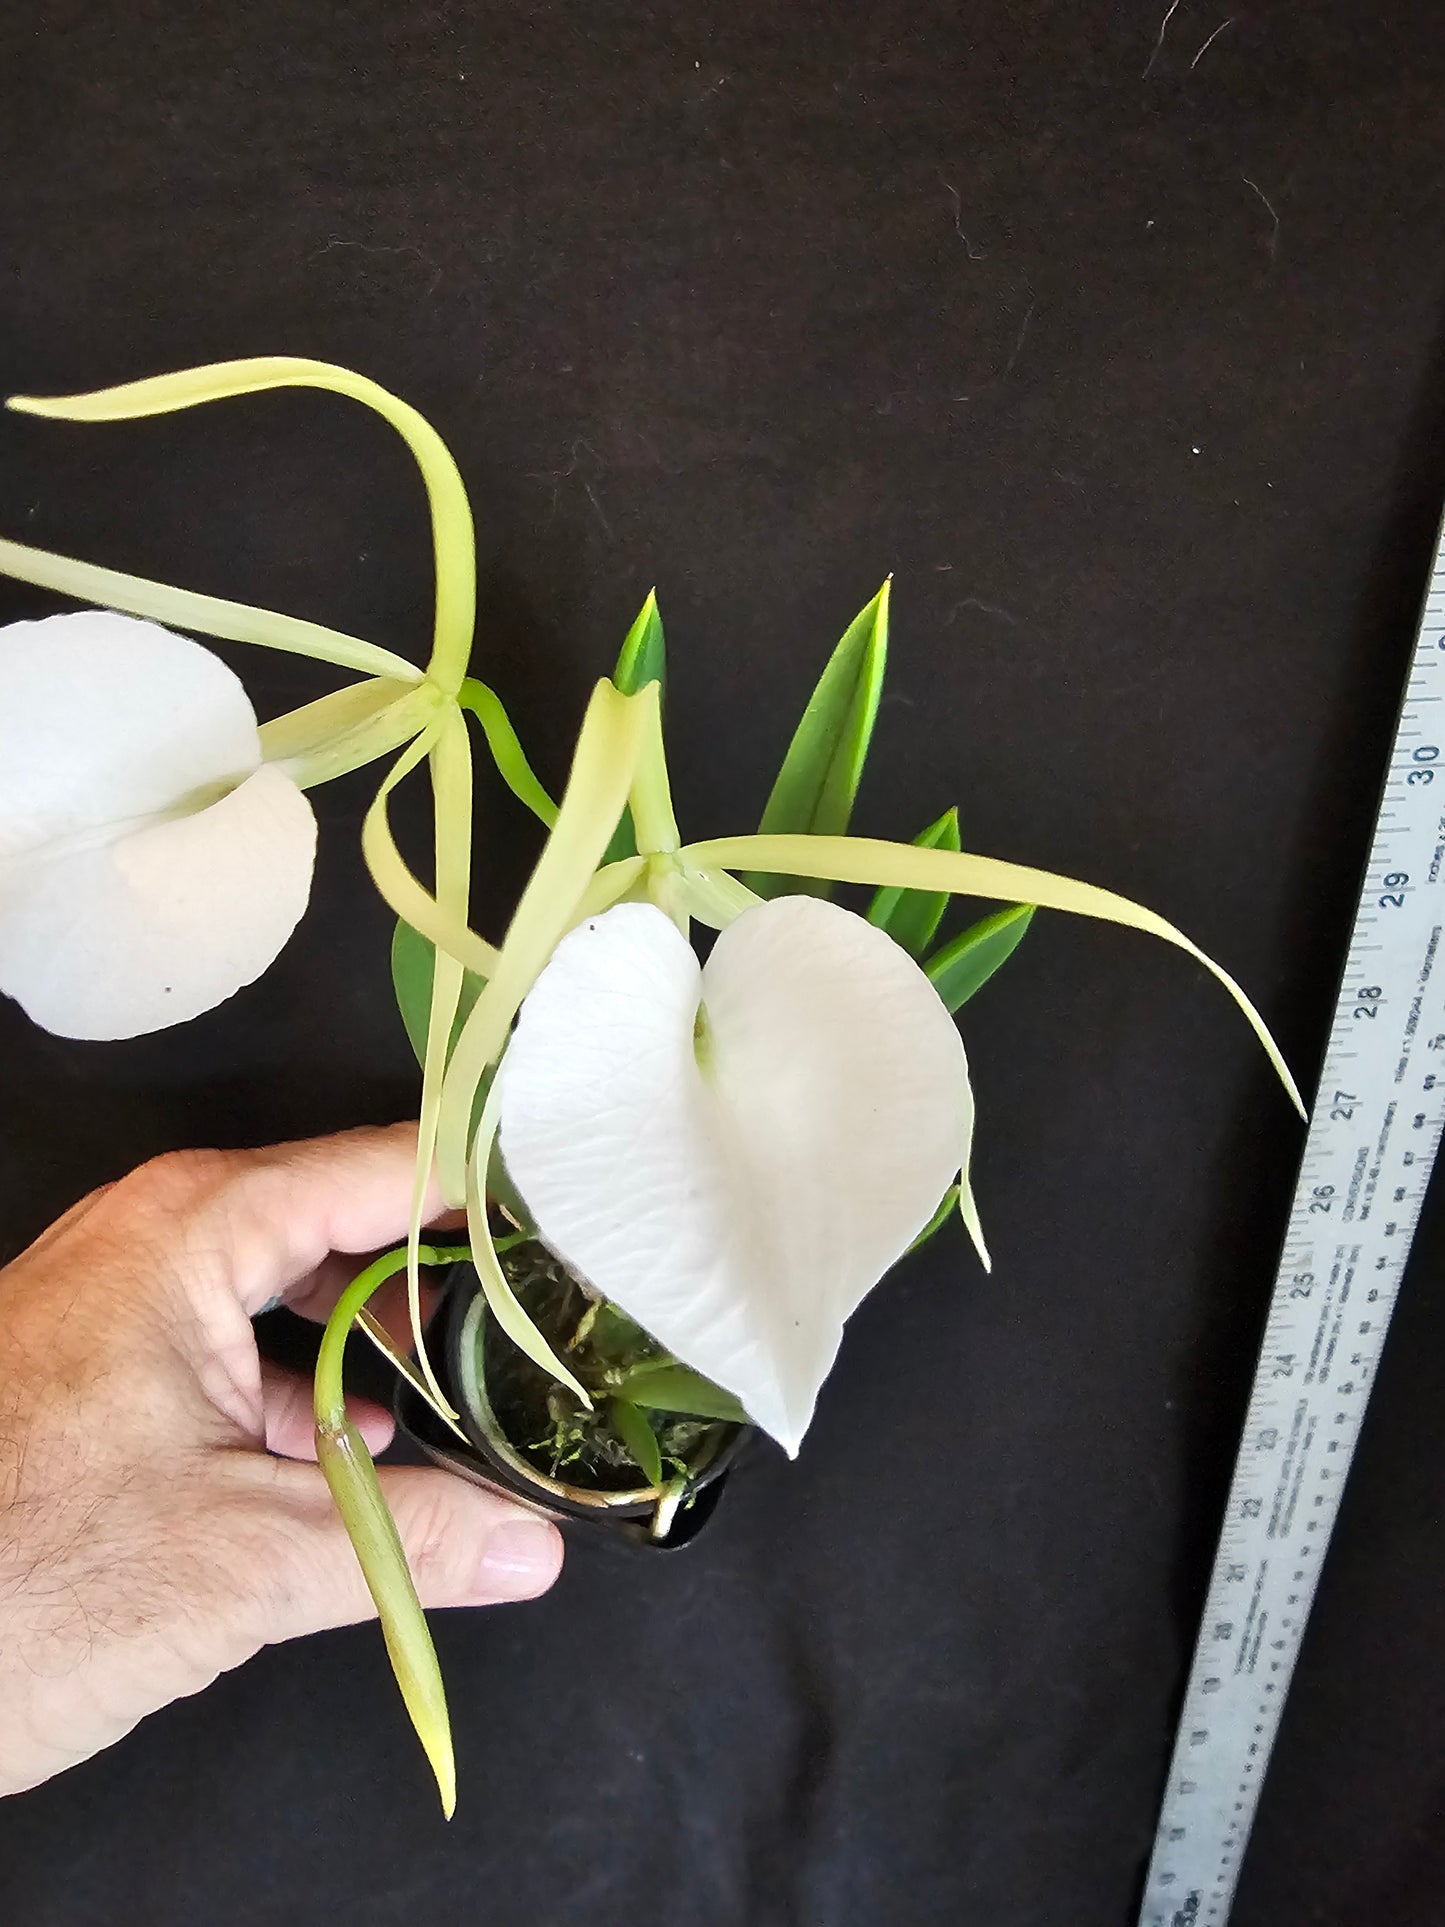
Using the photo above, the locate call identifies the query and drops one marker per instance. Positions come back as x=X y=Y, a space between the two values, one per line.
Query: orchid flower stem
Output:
x=329 y=1394
x=507 y=752
x=342 y=1455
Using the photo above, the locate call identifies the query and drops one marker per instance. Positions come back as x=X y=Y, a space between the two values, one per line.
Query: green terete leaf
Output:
x=818 y=782
x=912 y=917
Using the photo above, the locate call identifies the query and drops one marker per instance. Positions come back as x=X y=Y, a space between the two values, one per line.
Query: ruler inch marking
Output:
x=1372 y=1142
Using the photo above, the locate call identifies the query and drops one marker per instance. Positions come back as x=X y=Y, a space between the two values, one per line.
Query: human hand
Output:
x=156 y=1527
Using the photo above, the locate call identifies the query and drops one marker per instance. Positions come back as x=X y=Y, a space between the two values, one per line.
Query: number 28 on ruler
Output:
x=1372 y=1142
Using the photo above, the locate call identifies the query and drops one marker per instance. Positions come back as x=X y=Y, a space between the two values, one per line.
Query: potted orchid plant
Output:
x=680 y=1177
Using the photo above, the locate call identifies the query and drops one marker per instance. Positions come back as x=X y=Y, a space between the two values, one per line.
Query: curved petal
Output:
x=735 y=1155
x=104 y=718
x=113 y=936
x=453 y=540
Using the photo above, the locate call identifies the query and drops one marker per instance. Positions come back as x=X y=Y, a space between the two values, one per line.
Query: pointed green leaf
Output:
x=947 y=1206
x=965 y=965
x=413 y=964
x=643 y=660
x=644 y=652
x=677 y=1388
x=814 y=793
x=912 y=917
x=633 y=1427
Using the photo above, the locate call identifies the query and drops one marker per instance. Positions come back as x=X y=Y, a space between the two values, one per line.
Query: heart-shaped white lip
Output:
x=150 y=863
x=735 y=1153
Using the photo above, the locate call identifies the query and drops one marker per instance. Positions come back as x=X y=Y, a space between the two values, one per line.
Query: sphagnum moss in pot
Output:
x=646 y=1456
x=679 y=1178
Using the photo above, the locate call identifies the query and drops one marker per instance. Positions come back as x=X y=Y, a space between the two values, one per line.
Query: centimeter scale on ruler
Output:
x=1372 y=1142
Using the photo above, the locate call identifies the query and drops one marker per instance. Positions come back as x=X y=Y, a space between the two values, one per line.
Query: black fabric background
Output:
x=758 y=303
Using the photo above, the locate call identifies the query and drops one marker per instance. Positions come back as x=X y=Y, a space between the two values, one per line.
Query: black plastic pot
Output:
x=487 y=1458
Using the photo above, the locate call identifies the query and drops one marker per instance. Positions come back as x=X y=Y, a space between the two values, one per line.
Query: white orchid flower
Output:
x=156 y=847
x=151 y=863
x=735 y=1153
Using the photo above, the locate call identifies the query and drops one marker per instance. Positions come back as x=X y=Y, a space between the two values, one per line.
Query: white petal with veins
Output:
x=149 y=864
x=737 y=1196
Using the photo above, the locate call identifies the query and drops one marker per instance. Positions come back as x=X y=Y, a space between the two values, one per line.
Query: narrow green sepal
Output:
x=643 y=660
x=413 y=963
x=965 y=965
x=912 y=917
x=818 y=782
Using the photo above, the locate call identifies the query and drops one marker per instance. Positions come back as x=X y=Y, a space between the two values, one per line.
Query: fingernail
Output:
x=522 y=1558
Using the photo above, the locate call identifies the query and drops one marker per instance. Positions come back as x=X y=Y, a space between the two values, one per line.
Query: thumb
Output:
x=465 y=1547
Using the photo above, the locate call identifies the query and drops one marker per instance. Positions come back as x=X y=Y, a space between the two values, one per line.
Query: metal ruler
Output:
x=1367 y=1160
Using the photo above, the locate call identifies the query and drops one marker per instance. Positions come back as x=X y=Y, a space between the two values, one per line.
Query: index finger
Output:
x=273 y=1216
